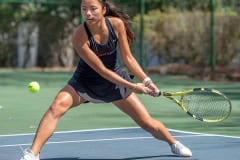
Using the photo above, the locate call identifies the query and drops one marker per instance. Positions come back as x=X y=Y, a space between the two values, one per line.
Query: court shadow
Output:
x=165 y=157
x=149 y=157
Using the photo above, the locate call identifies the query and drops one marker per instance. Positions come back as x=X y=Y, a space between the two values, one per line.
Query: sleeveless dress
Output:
x=88 y=83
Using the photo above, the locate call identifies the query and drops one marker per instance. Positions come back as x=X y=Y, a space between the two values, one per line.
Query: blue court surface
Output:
x=121 y=144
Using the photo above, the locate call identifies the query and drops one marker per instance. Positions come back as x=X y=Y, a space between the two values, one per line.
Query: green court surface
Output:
x=21 y=111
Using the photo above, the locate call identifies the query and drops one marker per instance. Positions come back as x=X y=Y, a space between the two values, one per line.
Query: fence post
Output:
x=212 y=38
x=142 y=54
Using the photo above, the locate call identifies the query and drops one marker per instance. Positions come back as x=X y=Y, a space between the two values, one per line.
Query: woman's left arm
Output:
x=125 y=51
x=129 y=59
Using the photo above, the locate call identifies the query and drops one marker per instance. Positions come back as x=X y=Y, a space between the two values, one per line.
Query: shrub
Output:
x=185 y=36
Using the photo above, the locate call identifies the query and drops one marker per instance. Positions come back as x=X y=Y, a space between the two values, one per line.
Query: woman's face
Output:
x=92 y=11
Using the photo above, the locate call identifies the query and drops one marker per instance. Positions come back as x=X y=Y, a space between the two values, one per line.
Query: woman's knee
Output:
x=58 y=108
x=65 y=99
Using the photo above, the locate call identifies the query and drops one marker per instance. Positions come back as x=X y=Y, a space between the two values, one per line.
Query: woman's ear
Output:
x=104 y=10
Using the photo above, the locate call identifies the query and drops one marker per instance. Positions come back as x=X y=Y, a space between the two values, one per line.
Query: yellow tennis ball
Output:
x=33 y=87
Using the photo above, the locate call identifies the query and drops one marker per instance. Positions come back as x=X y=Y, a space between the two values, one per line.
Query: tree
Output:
x=7 y=31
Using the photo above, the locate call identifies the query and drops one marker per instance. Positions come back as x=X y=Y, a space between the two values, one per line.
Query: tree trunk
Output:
x=27 y=44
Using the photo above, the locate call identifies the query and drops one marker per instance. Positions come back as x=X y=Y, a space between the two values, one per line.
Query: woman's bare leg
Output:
x=136 y=110
x=64 y=100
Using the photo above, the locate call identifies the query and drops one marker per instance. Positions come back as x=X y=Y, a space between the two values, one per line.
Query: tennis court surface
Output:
x=121 y=144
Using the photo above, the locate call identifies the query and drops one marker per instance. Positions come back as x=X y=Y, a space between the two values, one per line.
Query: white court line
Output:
x=193 y=134
x=204 y=134
x=96 y=140
x=75 y=131
x=126 y=128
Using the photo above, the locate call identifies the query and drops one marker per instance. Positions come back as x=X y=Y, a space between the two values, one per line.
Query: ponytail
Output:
x=111 y=10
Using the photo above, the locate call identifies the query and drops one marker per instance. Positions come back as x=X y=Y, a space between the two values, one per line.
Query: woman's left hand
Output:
x=154 y=91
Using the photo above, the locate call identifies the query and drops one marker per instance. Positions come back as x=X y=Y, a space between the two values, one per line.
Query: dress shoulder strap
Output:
x=89 y=34
x=110 y=27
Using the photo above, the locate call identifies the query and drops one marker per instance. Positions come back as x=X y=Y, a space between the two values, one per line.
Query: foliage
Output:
x=133 y=6
x=53 y=22
x=6 y=32
x=184 y=36
x=58 y=18
x=163 y=5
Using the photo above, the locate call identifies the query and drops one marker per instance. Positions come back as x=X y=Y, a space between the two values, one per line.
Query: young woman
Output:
x=99 y=78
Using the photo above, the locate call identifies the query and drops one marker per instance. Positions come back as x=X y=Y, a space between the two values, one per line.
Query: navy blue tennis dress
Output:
x=88 y=83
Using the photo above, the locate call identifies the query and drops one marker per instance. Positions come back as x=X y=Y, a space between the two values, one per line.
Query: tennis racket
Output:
x=204 y=104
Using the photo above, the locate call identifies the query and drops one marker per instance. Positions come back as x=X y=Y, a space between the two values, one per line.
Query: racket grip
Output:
x=154 y=94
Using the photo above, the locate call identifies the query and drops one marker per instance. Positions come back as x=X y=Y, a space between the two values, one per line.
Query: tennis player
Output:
x=99 y=79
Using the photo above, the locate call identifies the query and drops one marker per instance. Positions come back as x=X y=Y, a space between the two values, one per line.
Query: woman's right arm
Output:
x=81 y=44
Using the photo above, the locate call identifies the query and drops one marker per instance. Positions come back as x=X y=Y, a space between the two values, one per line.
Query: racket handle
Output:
x=155 y=94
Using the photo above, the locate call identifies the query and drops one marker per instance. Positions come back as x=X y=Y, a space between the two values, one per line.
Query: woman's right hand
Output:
x=140 y=88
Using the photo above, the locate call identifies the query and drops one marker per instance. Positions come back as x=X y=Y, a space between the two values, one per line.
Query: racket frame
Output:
x=180 y=103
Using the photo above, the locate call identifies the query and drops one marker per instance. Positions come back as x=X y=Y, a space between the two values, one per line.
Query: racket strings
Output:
x=206 y=105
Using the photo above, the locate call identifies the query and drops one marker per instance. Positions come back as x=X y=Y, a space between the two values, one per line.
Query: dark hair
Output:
x=112 y=10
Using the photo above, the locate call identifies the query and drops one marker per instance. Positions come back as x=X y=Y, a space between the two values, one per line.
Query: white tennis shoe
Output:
x=181 y=150
x=28 y=155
